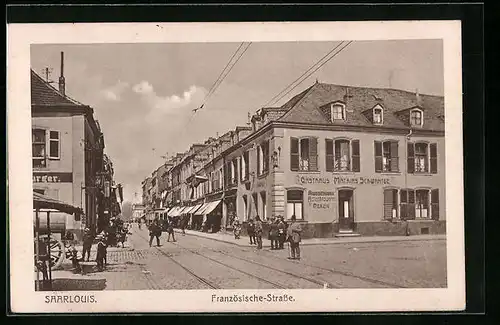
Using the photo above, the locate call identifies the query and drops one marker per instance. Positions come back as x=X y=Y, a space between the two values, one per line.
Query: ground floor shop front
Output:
x=343 y=205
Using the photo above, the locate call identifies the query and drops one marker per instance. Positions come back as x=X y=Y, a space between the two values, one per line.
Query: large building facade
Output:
x=67 y=154
x=344 y=160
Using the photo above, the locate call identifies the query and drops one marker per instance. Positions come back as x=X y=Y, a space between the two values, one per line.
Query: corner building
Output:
x=345 y=161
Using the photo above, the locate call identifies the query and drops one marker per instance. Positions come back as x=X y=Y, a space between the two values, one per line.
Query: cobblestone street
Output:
x=200 y=263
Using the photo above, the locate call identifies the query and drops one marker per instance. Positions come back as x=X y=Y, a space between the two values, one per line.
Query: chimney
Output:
x=417 y=96
x=62 y=83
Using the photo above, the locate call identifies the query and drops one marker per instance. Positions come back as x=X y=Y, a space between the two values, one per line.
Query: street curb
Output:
x=367 y=241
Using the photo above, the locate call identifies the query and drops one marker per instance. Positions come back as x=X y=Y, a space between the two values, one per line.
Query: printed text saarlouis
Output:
x=253 y=298
x=70 y=299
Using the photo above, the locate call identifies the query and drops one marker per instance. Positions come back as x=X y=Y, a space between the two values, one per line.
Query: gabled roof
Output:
x=43 y=94
x=359 y=99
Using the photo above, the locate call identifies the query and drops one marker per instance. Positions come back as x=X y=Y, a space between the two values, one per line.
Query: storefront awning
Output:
x=199 y=211
x=177 y=212
x=173 y=211
x=187 y=210
x=195 y=208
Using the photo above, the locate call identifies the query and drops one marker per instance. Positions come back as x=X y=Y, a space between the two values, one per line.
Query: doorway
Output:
x=346 y=210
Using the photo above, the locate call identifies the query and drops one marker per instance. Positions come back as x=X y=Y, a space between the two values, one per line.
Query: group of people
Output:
x=156 y=229
x=279 y=233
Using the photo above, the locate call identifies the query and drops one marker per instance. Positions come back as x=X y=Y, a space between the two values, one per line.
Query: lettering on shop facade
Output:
x=320 y=199
x=341 y=180
x=52 y=177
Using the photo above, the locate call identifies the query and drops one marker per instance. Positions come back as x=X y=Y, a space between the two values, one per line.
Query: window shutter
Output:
x=247 y=165
x=433 y=149
x=403 y=205
x=294 y=154
x=329 y=155
x=355 y=156
x=313 y=154
x=388 y=204
x=241 y=166
x=411 y=204
x=378 y=156
x=394 y=156
x=435 y=204
x=411 y=158
x=227 y=174
x=258 y=160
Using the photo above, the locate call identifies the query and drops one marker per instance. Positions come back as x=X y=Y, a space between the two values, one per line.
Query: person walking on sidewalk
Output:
x=294 y=237
x=87 y=243
x=258 y=232
x=251 y=232
x=273 y=233
x=281 y=232
x=154 y=231
x=170 y=230
x=101 y=252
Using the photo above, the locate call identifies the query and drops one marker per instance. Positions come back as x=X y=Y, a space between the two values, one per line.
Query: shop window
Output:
x=295 y=204
x=386 y=156
x=304 y=154
x=422 y=157
x=378 y=115
x=390 y=204
x=342 y=155
x=416 y=117
x=338 y=112
x=264 y=205
x=38 y=148
x=263 y=158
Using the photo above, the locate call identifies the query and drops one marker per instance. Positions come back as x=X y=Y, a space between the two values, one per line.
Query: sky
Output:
x=143 y=94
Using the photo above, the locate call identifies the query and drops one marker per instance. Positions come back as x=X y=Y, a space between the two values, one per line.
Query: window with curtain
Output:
x=416 y=118
x=338 y=112
x=304 y=154
x=386 y=156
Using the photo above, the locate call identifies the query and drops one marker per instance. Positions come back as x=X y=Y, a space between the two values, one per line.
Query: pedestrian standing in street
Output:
x=281 y=233
x=258 y=232
x=154 y=231
x=170 y=230
x=251 y=232
x=236 y=228
x=101 y=252
x=87 y=243
x=183 y=224
x=273 y=233
x=294 y=237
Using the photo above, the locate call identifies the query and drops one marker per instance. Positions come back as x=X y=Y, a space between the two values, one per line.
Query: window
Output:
x=338 y=112
x=264 y=205
x=233 y=172
x=407 y=204
x=416 y=117
x=386 y=156
x=295 y=204
x=263 y=158
x=38 y=148
x=54 y=148
x=422 y=158
x=244 y=166
x=342 y=155
x=304 y=154
x=422 y=204
x=390 y=204
x=377 y=115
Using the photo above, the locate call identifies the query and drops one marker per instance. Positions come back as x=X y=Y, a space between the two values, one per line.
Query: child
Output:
x=101 y=252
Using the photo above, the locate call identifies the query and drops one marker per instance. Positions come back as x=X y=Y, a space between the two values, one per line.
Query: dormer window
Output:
x=338 y=112
x=378 y=115
x=416 y=117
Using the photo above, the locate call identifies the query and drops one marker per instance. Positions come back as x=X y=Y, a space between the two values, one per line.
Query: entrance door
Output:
x=346 y=210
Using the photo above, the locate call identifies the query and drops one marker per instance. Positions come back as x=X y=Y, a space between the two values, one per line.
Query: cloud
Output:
x=114 y=92
x=161 y=106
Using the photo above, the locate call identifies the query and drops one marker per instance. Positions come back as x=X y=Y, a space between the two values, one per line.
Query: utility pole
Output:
x=47 y=71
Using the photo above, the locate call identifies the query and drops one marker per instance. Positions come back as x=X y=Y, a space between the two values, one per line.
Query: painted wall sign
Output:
x=361 y=181
x=301 y=179
x=320 y=199
x=52 y=177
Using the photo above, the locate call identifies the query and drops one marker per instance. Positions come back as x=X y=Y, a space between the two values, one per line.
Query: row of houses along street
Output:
x=346 y=161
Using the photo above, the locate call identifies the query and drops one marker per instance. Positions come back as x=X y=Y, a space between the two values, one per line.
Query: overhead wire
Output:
x=310 y=73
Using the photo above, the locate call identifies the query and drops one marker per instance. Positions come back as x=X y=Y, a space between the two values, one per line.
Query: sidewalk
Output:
x=228 y=237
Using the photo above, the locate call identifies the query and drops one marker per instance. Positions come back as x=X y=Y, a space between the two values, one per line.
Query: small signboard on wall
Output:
x=52 y=177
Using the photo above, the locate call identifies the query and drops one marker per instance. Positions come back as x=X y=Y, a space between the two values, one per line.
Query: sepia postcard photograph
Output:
x=235 y=167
